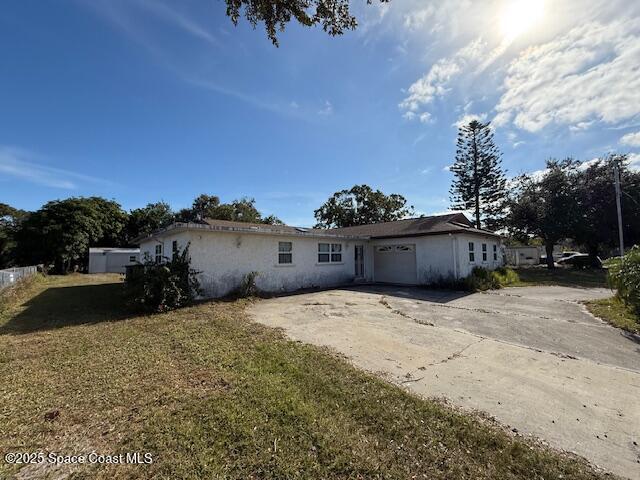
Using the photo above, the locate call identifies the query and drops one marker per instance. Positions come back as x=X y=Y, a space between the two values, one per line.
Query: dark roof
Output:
x=266 y=228
x=414 y=227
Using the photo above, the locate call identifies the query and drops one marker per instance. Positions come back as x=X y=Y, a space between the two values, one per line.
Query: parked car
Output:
x=581 y=260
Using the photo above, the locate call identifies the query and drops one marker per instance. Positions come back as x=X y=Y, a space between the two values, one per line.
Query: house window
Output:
x=174 y=247
x=472 y=255
x=132 y=259
x=159 y=253
x=495 y=253
x=285 y=253
x=484 y=252
x=329 y=253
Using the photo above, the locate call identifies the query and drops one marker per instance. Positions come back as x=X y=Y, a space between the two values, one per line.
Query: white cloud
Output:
x=417 y=19
x=469 y=117
x=632 y=139
x=588 y=74
x=425 y=117
x=634 y=161
x=436 y=82
x=327 y=109
x=19 y=163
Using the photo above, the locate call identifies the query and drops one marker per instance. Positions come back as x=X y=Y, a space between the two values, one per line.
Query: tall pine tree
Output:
x=479 y=184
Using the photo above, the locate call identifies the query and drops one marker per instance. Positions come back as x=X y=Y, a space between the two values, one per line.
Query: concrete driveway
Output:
x=532 y=357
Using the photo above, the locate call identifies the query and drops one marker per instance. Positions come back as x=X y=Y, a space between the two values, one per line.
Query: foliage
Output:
x=480 y=279
x=624 y=276
x=240 y=210
x=361 y=205
x=10 y=219
x=546 y=206
x=160 y=287
x=333 y=15
x=596 y=226
x=480 y=183
x=146 y=220
x=566 y=277
x=61 y=232
x=248 y=287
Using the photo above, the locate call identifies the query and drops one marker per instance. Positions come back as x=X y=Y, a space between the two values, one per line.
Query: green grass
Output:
x=568 y=277
x=615 y=312
x=212 y=395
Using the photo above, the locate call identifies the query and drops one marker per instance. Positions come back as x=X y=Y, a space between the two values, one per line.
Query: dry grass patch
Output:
x=562 y=276
x=615 y=312
x=209 y=393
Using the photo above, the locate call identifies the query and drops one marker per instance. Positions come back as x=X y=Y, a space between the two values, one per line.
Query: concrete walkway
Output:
x=532 y=357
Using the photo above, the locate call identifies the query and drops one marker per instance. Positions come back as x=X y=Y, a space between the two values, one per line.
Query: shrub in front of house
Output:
x=160 y=287
x=480 y=279
x=624 y=275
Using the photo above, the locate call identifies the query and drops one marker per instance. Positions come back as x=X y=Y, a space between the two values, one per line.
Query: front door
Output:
x=359 y=259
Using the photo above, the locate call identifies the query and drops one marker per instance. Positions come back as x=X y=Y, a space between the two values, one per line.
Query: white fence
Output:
x=11 y=275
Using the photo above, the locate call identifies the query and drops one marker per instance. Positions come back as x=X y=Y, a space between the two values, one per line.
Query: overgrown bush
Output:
x=160 y=287
x=248 y=287
x=480 y=279
x=624 y=276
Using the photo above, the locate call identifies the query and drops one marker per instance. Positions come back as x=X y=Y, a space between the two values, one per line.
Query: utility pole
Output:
x=616 y=177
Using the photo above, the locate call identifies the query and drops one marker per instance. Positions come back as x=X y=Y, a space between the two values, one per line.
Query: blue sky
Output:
x=144 y=100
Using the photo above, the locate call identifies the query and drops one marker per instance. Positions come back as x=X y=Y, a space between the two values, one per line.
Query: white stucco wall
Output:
x=465 y=266
x=224 y=258
x=447 y=256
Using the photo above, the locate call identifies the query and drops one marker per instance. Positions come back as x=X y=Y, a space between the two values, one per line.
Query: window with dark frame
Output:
x=484 y=252
x=285 y=253
x=495 y=253
x=174 y=247
x=472 y=254
x=159 y=253
x=329 y=253
x=132 y=258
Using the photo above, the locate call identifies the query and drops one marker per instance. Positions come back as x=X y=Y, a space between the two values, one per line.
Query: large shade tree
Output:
x=334 y=16
x=209 y=206
x=597 y=228
x=61 y=232
x=479 y=183
x=546 y=206
x=146 y=220
x=361 y=205
x=10 y=219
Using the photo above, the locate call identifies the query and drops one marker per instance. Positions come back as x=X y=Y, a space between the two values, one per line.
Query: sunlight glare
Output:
x=518 y=16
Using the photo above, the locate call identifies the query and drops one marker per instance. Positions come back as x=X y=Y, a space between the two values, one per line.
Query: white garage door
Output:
x=395 y=264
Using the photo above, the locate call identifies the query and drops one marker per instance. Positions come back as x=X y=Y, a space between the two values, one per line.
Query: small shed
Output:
x=524 y=255
x=112 y=260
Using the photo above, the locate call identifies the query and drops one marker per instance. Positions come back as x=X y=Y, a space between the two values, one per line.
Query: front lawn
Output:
x=563 y=276
x=212 y=395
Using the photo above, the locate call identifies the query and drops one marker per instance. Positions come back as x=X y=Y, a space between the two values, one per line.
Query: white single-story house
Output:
x=409 y=252
x=112 y=260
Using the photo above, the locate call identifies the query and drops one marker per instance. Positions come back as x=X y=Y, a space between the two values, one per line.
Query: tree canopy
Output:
x=146 y=220
x=61 y=232
x=546 y=207
x=361 y=205
x=10 y=219
x=334 y=16
x=479 y=184
x=239 y=210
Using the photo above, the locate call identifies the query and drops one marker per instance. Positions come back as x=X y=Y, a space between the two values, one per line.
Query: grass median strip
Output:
x=208 y=393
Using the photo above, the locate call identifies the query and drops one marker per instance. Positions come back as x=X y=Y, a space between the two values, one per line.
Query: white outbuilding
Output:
x=112 y=260
x=415 y=251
